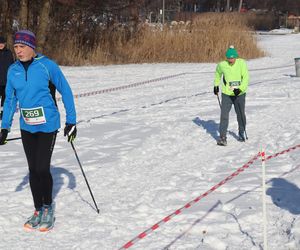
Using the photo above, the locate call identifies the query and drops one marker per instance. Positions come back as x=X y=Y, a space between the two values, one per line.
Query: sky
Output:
x=147 y=143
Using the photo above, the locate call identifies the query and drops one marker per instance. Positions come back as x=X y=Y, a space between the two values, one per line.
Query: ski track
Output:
x=149 y=150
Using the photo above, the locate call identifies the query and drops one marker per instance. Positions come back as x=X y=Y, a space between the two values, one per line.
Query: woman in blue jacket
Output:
x=32 y=81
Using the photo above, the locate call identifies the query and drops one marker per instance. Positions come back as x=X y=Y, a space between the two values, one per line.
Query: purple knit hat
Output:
x=25 y=37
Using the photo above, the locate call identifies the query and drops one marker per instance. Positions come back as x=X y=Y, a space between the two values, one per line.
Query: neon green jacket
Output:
x=236 y=76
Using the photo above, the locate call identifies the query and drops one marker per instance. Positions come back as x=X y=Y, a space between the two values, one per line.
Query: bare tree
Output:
x=44 y=21
x=23 y=14
x=240 y=5
x=227 y=5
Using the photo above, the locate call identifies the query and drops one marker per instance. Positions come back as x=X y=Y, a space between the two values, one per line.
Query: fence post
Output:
x=265 y=221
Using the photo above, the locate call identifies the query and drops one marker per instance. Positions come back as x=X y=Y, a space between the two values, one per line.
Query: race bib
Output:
x=234 y=85
x=34 y=116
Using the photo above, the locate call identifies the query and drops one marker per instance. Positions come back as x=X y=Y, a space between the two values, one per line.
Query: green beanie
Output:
x=231 y=53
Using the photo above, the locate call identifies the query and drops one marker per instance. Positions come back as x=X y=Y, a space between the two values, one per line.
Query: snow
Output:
x=149 y=150
x=281 y=31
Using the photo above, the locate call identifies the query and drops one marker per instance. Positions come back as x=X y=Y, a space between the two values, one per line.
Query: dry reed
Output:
x=205 y=39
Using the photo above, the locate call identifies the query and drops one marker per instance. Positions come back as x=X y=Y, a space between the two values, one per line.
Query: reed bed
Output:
x=204 y=39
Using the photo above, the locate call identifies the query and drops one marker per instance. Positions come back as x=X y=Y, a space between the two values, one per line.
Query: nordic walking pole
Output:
x=84 y=176
x=219 y=100
x=13 y=139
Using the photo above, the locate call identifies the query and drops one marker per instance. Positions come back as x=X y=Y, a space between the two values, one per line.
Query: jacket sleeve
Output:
x=218 y=75
x=9 y=107
x=244 y=77
x=63 y=87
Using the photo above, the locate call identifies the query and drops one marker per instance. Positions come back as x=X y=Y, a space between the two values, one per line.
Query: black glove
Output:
x=236 y=92
x=70 y=131
x=216 y=90
x=3 y=136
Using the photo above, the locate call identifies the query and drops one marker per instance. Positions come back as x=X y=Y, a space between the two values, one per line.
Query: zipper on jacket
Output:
x=26 y=66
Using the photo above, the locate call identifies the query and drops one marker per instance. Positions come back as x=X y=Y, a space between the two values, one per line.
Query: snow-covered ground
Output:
x=149 y=150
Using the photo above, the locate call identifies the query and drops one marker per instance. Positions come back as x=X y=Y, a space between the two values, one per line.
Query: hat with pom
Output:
x=25 y=37
x=231 y=52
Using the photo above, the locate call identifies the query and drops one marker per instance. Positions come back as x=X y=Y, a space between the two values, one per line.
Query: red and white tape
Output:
x=188 y=205
x=102 y=91
x=283 y=152
x=191 y=203
x=97 y=92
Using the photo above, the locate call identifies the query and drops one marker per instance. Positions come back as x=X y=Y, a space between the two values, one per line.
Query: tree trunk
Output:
x=23 y=14
x=218 y=7
x=44 y=19
x=3 y=15
x=240 y=5
x=178 y=4
x=227 y=6
x=6 y=21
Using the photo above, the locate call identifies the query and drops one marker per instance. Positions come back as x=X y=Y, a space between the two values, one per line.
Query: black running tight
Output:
x=2 y=95
x=38 y=148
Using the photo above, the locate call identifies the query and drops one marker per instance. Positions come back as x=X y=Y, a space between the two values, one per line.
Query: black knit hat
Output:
x=2 y=39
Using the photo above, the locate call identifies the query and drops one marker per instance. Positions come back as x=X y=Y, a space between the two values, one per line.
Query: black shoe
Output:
x=241 y=136
x=222 y=141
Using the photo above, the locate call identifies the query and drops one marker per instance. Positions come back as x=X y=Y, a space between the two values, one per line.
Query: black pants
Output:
x=38 y=148
x=2 y=95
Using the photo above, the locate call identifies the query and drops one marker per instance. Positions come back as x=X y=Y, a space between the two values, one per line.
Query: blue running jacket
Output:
x=38 y=111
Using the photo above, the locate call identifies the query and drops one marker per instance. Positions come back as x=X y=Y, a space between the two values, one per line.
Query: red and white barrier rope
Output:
x=283 y=152
x=102 y=91
x=190 y=204
x=97 y=92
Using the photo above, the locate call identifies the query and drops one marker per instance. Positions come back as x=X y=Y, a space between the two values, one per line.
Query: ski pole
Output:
x=84 y=176
x=219 y=100
x=13 y=139
x=243 y=122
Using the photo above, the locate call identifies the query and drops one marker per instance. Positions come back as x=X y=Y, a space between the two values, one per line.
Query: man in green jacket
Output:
x=234 y=86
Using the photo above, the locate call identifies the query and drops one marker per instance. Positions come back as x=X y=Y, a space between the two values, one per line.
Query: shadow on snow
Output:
x=58 y=180
x=193 y=225
x=285 y=195
x=212 y=128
